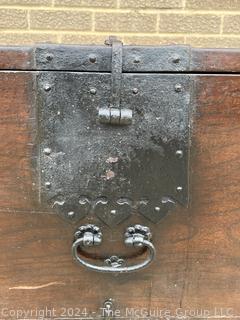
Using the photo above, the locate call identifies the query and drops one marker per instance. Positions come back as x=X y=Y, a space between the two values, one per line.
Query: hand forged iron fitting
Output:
x=135 y=236
x=114 y=114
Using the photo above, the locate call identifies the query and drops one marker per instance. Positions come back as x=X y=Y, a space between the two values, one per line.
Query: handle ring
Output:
x=135 y=236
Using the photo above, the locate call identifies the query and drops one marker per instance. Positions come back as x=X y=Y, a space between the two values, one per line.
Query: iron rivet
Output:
x=157 y=209
x=113 y=211
x=179 y=188
x=92 y=58
x=93 y=91
x=179 y=153
x=136 y=60
x=71 y=214
x=135 y=90
x=175 y=59
x=49 y=56
x=47 y=151
x=47 y=87
x=48 y=184
x=178 y=87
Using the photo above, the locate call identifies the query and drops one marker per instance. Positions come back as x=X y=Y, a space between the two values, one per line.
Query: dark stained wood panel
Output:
x=215 y=60
x=17 y=133
x=198 y=249
x=213 y=268
x=16 y=58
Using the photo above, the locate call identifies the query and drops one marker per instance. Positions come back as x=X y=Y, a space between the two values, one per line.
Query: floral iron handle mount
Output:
x=135 y=236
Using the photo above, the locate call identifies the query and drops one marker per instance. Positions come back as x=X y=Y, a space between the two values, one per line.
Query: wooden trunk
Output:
x=197 y=269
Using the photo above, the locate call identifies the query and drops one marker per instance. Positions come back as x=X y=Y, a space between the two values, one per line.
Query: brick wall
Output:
x=204 y=23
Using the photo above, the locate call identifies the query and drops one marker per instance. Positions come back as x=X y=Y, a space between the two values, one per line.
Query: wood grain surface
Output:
x=198 y=249
x=16 y=58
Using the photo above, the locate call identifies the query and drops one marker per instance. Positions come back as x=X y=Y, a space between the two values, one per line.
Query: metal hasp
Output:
x=105 y=171
x=114 y=114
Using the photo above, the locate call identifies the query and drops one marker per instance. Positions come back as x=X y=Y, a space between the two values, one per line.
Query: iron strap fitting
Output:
x=114 y=114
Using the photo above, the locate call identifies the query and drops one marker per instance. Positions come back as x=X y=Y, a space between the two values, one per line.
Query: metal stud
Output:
x=136 y=60
x=93 y=91
x=48 y=184
x=49 y=56
x=47 y=151
x=179 y=154
x=47 y=87
x=135 y=90
x=157 y=209
x=92 y=58
x=179 y=188
x=175 y=58
x=71 y=214
x=178 y=87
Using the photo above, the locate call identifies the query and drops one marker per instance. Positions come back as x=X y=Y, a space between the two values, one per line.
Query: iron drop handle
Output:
x=136 y=236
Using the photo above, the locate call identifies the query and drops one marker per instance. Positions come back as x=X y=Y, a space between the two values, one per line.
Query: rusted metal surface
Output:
x=110 y=171
x=99 y=58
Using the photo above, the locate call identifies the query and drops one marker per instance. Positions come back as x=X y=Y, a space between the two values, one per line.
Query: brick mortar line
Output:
x=66 y=8
x=28 y=19
x=221 y=25
x=123 y=10
x=90 y=32
x=190 y=12
x=93 y=21
x=224 y=35
x=59 y=38
x=25 y=7
x=158 y=22
x=127 y=34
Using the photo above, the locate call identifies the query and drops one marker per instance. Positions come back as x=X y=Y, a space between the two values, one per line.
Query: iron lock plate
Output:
x=91 y=168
